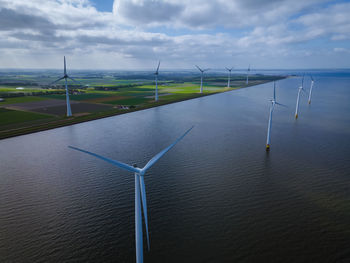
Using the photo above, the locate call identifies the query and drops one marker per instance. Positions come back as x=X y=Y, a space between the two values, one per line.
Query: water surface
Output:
x=215 y=197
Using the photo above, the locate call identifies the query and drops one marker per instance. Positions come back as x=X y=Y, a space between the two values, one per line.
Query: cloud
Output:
x=10 y=20
x=199 y=14
x=147 y=12
x=180 y=33
x=341 y=50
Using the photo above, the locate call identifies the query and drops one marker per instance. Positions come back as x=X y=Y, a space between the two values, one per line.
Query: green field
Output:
x=80 y=97
x=13 y=116
x=110 y=89
x=20 y=100
x=129 y=102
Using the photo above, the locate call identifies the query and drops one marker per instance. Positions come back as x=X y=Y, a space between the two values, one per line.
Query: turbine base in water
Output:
x=267 y=147
x=309 y=101
x=296 y=116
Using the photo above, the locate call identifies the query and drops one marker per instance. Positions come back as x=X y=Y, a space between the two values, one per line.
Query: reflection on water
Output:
x=216 y=197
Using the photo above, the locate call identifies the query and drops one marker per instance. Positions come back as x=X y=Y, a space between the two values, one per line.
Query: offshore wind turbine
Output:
x=202 y=72
x=156 y=79
x=310 y=92
x=229 y=76
x=301 y=88
x=272 y=107
x=65 y=77
x=247 y=81
x=140 y=191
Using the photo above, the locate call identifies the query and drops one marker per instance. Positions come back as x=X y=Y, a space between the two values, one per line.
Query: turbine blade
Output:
x=159 y=155
x=76 y=81
x=158 y=67
x=114 y=162
x=56 y=80
x=281 y=105
x=64 y=59
x=144 y=206
x=199 y=68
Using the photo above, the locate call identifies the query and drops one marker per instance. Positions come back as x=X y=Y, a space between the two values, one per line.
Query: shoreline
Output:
x=80 y=119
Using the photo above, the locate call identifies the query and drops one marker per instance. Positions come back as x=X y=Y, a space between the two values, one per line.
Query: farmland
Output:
x=28 y=103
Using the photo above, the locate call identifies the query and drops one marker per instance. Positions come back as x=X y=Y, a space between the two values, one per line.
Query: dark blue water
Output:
x=216 y=197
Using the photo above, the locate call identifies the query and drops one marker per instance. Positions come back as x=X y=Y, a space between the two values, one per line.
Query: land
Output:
x=28 y=104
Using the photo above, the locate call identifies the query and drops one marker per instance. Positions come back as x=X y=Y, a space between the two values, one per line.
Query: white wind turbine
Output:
x=140 y=191
x=202 y=71
x=65 y=77
x=273 y=103
x=156 y=77
x=301 y=88
x=310 y=92
x=229 y=76
x=247 y=81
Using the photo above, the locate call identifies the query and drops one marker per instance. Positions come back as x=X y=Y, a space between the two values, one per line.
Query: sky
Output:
x=135 y=34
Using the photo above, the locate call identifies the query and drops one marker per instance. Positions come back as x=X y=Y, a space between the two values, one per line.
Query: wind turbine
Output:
x=65 y=77
x=247 y=81
x=202 y=71
x=273 y=103
x=140 y=191
x=301 y=88
x=156 y=76
x=310 y=92
x=229 y=76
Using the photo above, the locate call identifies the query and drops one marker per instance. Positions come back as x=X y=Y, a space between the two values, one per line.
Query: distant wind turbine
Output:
x=310 y=92
x=140 y=191
x=65 y=77
x=156 y=76
x=301 y=88
x=248 y=71
x=229 y=76
x=202 y=71
x=273 y=103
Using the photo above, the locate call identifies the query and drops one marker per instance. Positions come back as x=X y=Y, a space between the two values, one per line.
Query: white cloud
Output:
x=200 y=14
x=341 y=50
x=180 y=33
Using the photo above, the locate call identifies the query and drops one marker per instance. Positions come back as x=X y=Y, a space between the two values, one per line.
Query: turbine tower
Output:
x=272 y=107
x=247 y=81
x=229 y=76
x=65 y=77
x=301 y=88
x=310 y=92
x=156 y=76
x=140 y=191
x=202 y=71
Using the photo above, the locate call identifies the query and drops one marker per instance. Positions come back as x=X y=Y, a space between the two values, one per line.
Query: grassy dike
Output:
x=65 y=121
